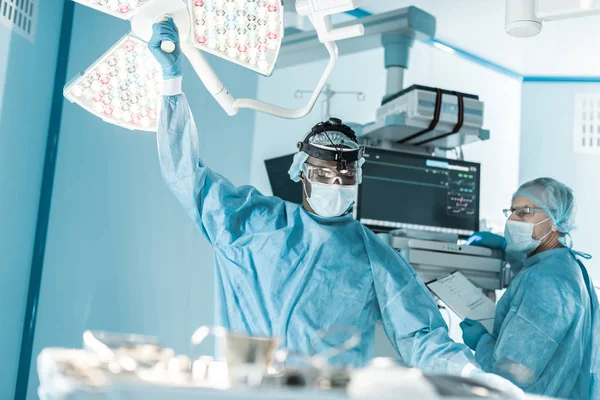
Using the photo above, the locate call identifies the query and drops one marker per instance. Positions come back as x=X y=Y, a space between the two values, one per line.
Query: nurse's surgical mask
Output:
x=519 y=236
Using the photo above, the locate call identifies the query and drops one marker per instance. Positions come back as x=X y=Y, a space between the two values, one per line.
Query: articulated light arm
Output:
x=300 y=112
x=209 y=78
x=123 y=86
x=552 y=10
x=232 y=106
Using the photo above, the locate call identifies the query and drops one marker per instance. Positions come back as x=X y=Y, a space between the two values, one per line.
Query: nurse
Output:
x=546 y=330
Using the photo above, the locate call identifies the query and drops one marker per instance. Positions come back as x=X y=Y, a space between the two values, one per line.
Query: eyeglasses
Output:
x=349 y=176
x=521 y=212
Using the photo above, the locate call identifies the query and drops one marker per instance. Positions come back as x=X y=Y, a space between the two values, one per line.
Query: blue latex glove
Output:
x=487 y=239
x=493 y=241
x=472 y=332
x=170 y=63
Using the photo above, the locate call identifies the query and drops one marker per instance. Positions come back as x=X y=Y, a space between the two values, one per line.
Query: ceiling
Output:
x=564 y=48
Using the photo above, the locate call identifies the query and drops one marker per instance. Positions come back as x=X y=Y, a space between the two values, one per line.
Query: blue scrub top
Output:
x=546 y=332
x=283 y=272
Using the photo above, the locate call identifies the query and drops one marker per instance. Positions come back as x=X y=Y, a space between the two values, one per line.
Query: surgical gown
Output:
x=546 y=331
x=284 y=272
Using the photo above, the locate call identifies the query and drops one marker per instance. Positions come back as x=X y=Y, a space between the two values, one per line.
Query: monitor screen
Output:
x=417 y=191
x=281 y=184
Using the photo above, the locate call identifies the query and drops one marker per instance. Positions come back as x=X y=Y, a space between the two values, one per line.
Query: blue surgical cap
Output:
x=322 y=140
x=555 y=198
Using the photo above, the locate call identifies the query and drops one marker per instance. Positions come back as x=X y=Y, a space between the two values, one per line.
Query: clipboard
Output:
x=464 y=298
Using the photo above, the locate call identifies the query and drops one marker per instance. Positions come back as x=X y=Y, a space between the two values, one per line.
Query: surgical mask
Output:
x=519 y=236
x=331 y=200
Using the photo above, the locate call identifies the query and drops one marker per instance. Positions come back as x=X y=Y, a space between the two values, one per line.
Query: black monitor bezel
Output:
x=424 y=156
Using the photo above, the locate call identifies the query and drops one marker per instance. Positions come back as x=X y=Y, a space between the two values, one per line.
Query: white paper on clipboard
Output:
x=465 y=299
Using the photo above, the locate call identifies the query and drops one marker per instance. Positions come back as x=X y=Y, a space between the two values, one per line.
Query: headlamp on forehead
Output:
x=328 y=150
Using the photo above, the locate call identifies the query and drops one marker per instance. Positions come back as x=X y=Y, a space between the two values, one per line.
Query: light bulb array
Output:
x=247 y=32
x=123 y=9
x=124 y=87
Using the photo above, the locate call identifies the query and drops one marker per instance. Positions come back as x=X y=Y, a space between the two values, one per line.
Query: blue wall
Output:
x=26 y=84
x=547 y=150
x=121 y=254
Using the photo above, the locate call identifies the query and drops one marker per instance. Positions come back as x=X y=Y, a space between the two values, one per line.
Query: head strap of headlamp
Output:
x=337 y=152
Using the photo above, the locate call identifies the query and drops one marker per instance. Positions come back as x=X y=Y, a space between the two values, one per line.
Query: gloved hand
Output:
x=493 y=241
x=472 y=332
x=170 y=63
x=487 y=239
x=499 y=383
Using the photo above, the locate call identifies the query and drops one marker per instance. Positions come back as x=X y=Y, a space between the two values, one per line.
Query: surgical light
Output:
x=319 y=13
x=124 y=87
x=123 y=9
x=246 y=32
x=524 y=18
x=257 y=25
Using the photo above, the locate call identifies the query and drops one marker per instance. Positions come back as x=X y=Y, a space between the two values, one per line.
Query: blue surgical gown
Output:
x=284 y=272
x=546 y=331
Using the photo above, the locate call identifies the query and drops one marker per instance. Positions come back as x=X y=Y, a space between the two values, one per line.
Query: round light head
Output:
x=523 y=29
x=124 y=87
x=246 y=32
x=521 y=18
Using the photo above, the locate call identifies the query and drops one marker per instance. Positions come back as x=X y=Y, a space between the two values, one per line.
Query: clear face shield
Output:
x=349 y=176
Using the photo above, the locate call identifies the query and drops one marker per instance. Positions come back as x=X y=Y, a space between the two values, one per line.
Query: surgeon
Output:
x=546 y=330
x=294 y=271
